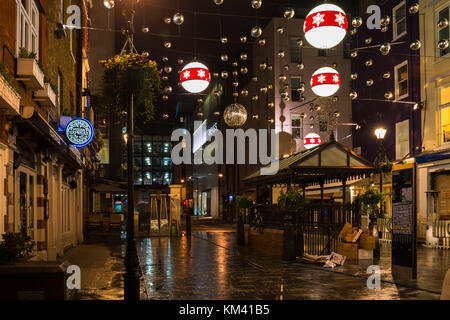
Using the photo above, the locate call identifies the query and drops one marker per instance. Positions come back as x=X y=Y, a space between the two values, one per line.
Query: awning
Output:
x=433 y=156
x=326 y=163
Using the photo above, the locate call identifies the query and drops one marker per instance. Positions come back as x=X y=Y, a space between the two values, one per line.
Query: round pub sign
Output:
x=79 y=132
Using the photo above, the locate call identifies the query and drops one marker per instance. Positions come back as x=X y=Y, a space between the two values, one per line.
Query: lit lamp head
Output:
x=220 y=175
x=109 y=4
x=380 y=133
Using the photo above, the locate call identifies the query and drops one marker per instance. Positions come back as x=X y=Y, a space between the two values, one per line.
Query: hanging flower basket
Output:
x=126 y=74
x=385 y=167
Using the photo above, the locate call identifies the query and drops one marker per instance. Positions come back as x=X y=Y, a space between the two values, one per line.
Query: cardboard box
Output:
x=349 y=250
x=351 y=235
x=347 y=227
x=365 y=254
x=367 y=242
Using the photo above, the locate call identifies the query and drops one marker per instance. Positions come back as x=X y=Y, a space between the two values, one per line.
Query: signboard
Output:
x=79 y=132
x=404 y=256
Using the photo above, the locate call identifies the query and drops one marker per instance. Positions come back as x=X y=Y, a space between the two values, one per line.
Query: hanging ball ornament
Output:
x=165 y=98
x=224 y=57
x=415 y=45
x=178 y=19
x=168 y=90
x=357 y=22
x=443 y=44
x=256 y=4
x=271 y=104
x=369 y=82
x=443 y=23
x=299 y=43
x=218 y=2
x=312 y=140
x=263 y=66
x=235 y=64
x=255 y=79
x=353 y=95
x=165 y=59
x=353 y=31
x=180 y=61
x=280 y=30
x=325 y=82
x=354 y=76
x=145 y=54
x=414 y=8
x=235 y=73
x=289 y=13
x=224 y=74
x=368 y=40
x=270 y=67
x=384 y=29
x=386 y=75
x=195 y=77
x=167 y=20
x=325 y=26
x=235 y=115
x=300 y=66
x=244 y=92
x=243 y=39
x=256 y=32
x=165 y=78
x=167 y=44
x=145 y=29
x=262 y=42
x=385 y=21
x=281 y=54
x=243 y=56
x=286 y=67
x=369 y=63
x=385 y=48
x=224 y=40
x=167 y=69
x=389 y=95
x=244 y=70
x=354 y=53
x=283 y=78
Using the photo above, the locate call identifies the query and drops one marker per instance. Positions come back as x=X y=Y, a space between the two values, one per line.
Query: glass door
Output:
x=26 y=203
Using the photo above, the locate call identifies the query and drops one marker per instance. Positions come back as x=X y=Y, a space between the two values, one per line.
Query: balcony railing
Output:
x=9 y=98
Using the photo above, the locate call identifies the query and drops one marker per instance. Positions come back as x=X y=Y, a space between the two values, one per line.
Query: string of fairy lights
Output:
x=325 y=27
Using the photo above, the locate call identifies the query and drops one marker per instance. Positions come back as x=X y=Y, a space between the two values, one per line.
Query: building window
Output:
x=399 y=20
x=295 y=85
x=27 y=28
x=402 y=139
x=444 y=33
x=444 y=114
x=297 y=127
x=401 y=80
x=322 y=53
x=295 y=50
x=323 y=124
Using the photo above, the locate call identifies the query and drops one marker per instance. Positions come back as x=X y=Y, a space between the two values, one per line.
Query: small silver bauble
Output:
x=443 y=44
x=369 y=63
x=385 y=48
x=300 y=66
x=244 y=70
x=369 y=82
x=353 y=95
x=386 y=75
x=235 y=84
x=357 y=22
x=335 y=99
x=280 y=30
x=165 y=98
x=178 y=19
x=224 y=74
x=289 y=13
x=218 y=2
x=286 y=67
x=243 y=56
x=415 y=45
x=255 y=98
x=167 y=69
x=145 y=29
x=167 y=20
x=180 y=61
x=244 y=92
x=336 y=114
x=145 y=54
x=224 y=40
x=368 y=40
x=235 y=73
x=384 y=29
x=443 y=23
x=270 y=67
x=235 y=64
x=165 y=116
x=243 y=39
x=385 y=21
x=262 y=42
x=255 y=79
x=354 y=53
x=354 y=76
x=167 y=44
x=224 y=57
x=263 y=89
x=271 y=104
x=281 y=54
x=256 y=4
x=283 y=78
x=414 y=8
x=389 y=95
x=168 y=89
x=256 y=32
x=263 y=66
x=165 y=59
x=299 y=43
x=353 y=31
x=165 y=78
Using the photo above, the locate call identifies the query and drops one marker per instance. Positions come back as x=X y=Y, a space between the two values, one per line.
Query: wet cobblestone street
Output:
x=209 y=266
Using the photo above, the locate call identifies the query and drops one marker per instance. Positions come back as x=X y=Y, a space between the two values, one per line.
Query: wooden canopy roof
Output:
x=328 y=162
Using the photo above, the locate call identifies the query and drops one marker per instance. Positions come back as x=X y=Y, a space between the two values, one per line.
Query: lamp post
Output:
x=380 y=133
x=220 y=176
x=132 y=268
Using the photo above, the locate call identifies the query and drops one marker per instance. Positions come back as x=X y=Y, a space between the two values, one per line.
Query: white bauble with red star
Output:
x=325 y=26
x=195 y=77
x=325 y=82
x=312 y=140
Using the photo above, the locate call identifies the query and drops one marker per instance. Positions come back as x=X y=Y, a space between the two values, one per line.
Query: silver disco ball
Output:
x=235 y=115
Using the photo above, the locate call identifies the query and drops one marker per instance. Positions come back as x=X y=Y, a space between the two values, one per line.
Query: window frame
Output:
x=396 y=83
x=395 y=35
x=397 y=139
x=31 y=36
x=440 y=107
x=299 y=49
x=297 y=127
x=292 y=88
x=437 y=37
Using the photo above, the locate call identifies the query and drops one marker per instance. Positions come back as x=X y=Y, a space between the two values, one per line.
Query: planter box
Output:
x=9 y=98
x=33 y=281
x=30 y=74
x=46 y=97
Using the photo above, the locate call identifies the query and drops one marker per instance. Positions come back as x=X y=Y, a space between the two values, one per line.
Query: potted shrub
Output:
x=29 y=70
x=15 y=247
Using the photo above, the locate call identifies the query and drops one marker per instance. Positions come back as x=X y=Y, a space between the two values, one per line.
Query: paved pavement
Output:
x=210 y=266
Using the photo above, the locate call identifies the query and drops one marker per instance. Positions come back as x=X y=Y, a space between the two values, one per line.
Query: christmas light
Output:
x=195 y=77
x=325 y=26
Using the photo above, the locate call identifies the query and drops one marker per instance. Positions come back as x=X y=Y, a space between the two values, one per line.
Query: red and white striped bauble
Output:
x=312 y=140
x=195 y=77
x=325 y=82
x=325 y=26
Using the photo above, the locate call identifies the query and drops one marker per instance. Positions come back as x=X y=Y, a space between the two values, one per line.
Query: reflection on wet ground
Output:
x=209 y=266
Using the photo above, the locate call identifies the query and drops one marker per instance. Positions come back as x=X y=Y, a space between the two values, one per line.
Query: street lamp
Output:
x=220 y=175
x=380 y=133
